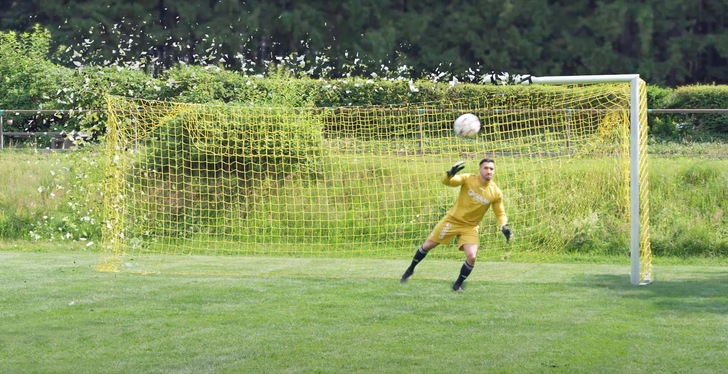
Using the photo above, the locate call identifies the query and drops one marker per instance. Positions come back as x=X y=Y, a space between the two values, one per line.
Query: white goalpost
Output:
x=640 y=256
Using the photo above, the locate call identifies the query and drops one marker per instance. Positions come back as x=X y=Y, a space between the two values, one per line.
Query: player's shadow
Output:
x=709 y=293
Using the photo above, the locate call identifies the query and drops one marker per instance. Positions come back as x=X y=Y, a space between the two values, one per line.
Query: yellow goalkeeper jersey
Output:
x=474 y=199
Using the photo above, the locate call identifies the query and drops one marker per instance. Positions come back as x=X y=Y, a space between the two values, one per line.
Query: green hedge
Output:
x=705 y=97
x=31 y=81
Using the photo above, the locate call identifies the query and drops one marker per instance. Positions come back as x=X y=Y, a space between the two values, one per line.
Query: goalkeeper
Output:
x=477 y=194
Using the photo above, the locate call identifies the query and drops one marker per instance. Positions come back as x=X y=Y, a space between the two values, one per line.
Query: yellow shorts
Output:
x=447 y=229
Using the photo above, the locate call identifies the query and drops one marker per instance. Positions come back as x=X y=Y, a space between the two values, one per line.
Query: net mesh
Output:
x=217 y=179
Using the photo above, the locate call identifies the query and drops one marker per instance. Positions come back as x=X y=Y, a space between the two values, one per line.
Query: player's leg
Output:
x=471 y=252
x=468 y=243
x=419 y=256
x=443 y=233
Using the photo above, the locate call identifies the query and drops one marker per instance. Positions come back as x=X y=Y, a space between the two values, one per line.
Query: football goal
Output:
x=224 y=179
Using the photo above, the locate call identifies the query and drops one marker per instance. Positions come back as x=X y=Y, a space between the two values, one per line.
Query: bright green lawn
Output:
x=57 y=314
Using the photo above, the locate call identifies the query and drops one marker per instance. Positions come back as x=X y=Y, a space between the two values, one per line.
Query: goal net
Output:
x=223 y=179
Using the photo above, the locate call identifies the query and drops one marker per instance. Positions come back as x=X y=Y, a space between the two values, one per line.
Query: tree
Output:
x=668 y=42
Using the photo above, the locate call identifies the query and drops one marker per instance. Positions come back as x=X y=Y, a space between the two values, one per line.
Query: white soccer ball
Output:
x=467 y=125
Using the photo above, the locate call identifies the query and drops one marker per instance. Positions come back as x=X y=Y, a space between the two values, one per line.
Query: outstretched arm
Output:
x=455 y=169
x=450 y=178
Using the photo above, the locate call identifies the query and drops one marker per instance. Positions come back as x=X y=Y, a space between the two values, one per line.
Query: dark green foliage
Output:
x=704 y=97
x=31 y=81
x=704 y=126
x=661 y=125
x=669 y=43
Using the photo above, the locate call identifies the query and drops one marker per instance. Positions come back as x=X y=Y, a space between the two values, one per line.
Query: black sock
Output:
x=419 y=255
x=464 y=272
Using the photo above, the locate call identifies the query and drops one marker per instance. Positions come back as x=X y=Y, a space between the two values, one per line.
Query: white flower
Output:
x=412 y=86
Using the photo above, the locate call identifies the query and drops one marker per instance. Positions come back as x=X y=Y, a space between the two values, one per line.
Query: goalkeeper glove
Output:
x=455 y=169
x=506 y=232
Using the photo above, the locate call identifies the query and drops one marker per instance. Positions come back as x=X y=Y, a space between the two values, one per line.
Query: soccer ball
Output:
x=467 y=125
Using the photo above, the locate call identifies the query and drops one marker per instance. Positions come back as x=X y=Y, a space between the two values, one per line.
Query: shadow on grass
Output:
x=699 y=293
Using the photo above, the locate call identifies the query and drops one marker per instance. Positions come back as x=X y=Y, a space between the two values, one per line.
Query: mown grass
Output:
x=345 y=315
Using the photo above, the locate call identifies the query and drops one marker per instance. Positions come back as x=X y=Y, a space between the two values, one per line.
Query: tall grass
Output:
x=51 y=196
x=29 y=191
x=688 y=204
x=57 y=197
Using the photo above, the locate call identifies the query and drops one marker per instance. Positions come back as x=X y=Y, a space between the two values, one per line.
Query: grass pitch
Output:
x=294 y=315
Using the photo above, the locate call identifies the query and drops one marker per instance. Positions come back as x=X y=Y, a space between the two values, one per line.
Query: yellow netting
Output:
x=645 y=274
x=219 y=179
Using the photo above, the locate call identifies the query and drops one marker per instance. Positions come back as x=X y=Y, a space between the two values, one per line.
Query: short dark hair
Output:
x=487 y=159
